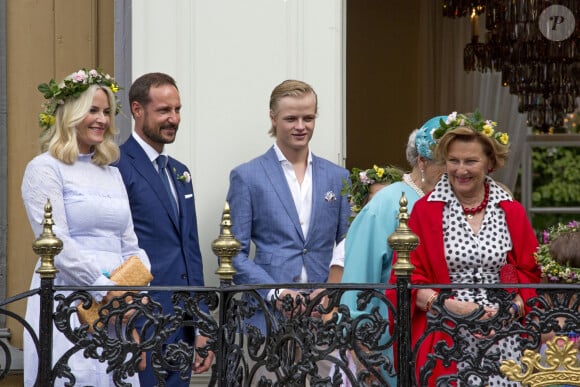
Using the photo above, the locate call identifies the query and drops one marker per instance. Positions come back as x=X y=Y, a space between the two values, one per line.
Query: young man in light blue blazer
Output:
x=287 y=201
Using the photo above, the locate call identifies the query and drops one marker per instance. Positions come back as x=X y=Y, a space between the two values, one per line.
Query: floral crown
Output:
x=72 y=87
x=552 y=270
x=360 y=180
x=473 y=121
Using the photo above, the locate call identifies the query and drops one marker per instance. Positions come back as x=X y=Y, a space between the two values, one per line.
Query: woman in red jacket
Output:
x=469 y=228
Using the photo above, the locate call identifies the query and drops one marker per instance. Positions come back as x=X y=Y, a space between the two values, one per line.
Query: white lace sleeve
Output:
x=129 y=242
x=43 y=181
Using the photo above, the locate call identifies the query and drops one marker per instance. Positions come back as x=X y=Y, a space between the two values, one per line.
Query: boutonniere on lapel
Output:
x=329 y=196
x=184 y=177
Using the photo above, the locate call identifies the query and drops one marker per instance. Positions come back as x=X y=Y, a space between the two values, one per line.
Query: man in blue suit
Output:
x=162 y=203
x=287 y=201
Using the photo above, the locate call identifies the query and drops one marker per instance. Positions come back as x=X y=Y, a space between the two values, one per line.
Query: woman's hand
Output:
x=426 y=297
x=126 y=297
x=468 y=307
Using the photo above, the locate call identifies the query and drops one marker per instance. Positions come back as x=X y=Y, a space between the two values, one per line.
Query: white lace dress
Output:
x=92 y=217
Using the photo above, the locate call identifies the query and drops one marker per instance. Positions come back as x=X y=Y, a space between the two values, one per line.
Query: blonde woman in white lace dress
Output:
x=89 y=205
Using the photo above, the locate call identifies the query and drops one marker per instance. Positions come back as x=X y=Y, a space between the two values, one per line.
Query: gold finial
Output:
x=226 y=247
x=47 y=245
x=403 y=241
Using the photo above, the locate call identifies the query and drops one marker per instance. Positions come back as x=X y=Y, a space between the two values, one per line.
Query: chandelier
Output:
x=535 y=46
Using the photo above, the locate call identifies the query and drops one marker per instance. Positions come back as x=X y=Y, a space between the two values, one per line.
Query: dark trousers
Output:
x=147 y=378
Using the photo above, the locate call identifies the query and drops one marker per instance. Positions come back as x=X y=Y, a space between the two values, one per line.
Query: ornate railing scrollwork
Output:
x=314 y=338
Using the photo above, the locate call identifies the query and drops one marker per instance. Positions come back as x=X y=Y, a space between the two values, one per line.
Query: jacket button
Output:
x=304 y=251
x=184 y=276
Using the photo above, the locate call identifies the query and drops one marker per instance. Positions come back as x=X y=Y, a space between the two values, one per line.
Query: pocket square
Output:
x=188 y=196
x=329 y=196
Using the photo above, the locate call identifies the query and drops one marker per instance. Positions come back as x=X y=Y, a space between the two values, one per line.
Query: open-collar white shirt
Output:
x=301 y=193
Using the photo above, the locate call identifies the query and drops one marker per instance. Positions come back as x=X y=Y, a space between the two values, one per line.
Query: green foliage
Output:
x=357 y=187
x=474 y=121
x=555 y=183
x=71 y=88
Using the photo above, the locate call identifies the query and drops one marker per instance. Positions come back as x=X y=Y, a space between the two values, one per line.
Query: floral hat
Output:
x=360 y=181
x=424 y=140
x=72 y=87
x=474 y=121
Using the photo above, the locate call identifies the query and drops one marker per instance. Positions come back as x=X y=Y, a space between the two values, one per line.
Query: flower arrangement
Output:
x=184 y=177
x=72 y=87
x=556 y=255
x=473 y=120
x=360 y=181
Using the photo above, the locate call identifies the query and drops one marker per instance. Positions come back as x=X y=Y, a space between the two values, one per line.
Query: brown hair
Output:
x=139 y=91
x=565 y=248
x=289 y=88
x=495 y=151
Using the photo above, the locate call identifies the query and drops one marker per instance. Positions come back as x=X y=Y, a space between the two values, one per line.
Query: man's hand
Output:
x=199 y=363
x=143 y=362
x=296 y=309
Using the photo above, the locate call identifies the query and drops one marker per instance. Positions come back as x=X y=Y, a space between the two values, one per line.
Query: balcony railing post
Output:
x=226 y=247
x=47 y=245
x=403 y=241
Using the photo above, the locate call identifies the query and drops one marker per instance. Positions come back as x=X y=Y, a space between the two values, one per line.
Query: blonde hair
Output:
x=495 y=151
x=61 y=139
x=289 y=88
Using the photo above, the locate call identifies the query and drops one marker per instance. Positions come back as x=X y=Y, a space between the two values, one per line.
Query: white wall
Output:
x=227 y=56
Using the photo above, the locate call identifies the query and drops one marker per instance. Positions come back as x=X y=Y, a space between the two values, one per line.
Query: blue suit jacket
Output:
x=172 y=243
x=263 y=211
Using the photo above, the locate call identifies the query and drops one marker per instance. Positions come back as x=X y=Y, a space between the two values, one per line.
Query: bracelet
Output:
x=518 y=310
x=430 y=301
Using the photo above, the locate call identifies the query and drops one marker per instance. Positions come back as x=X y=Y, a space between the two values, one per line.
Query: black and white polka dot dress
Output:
x=477 y=258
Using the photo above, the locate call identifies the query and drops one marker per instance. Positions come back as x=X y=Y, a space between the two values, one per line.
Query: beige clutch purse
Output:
x=132 y=272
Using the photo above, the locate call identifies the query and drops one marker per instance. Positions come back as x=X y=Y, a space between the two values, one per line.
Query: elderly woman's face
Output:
x=467 y=164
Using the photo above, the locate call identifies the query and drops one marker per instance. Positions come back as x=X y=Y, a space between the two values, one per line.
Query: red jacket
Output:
x=431 y=266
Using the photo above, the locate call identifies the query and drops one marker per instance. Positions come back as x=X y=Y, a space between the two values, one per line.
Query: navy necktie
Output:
x=162 y=164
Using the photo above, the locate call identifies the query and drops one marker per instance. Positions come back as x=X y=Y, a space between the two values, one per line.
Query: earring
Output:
x=422 y=175
x=490 y=170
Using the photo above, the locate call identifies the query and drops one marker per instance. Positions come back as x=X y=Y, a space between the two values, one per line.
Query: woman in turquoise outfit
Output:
x=368 y=258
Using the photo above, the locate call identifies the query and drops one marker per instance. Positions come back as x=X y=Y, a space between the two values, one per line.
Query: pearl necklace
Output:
x=409 y=180
x=469 y=212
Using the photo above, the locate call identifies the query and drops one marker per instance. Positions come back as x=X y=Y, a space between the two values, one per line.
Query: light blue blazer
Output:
x=263 y=211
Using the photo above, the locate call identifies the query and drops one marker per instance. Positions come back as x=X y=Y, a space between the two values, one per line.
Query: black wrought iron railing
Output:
x=315 y=339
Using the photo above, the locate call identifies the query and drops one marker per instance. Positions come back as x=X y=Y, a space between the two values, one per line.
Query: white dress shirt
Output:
x=153 y=154
x=302 y=196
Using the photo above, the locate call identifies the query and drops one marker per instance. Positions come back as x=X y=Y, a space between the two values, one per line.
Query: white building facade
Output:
x=227 y=56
